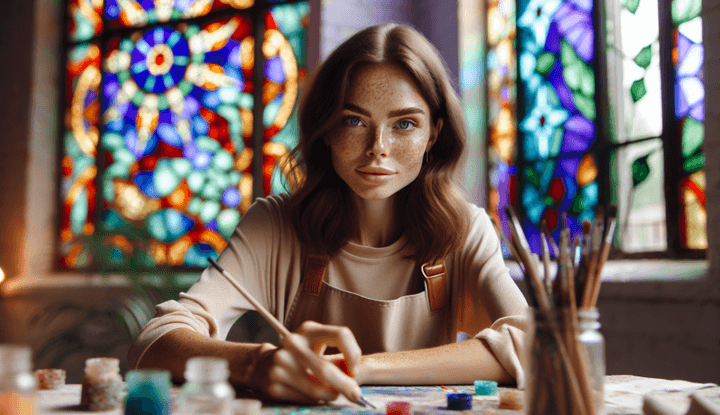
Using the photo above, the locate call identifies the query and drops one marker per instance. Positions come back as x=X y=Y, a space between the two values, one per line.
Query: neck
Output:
x=377 y=224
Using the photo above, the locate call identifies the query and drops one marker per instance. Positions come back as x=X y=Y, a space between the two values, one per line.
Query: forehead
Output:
x=384 y=82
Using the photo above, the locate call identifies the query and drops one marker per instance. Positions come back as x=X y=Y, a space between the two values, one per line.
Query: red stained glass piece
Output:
x=557 y=189
x=551 y=218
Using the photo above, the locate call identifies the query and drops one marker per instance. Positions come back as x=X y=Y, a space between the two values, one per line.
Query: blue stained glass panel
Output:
x=556 y=44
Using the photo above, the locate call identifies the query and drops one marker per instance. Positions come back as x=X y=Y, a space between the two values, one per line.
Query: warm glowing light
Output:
x=2 y=275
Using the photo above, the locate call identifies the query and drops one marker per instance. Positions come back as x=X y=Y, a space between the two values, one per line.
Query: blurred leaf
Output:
x=640 y=170
x=644 y=57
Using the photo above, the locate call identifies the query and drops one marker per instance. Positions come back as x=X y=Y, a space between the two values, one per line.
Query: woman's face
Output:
x=385 y=130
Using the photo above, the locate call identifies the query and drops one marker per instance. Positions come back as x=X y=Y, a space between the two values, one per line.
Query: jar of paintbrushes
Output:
x=565 y=362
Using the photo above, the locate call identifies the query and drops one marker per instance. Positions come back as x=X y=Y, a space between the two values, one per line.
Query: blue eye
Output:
x=352 y=121
x=405 y=125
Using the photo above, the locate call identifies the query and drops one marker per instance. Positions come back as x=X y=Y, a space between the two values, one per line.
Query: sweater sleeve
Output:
x=493 y=293
x=212 y=305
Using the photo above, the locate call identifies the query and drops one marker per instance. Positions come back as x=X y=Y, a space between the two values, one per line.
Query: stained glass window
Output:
x=502 y=107
x=159 y=149
x=608 y=112
x=556 y=46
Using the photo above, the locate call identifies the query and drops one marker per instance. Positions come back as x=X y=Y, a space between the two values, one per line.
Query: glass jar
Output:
x=565 y=363
x=17 y=384
x=206 y=389
x=148 y=392
x=102 y=384
x=590 y=336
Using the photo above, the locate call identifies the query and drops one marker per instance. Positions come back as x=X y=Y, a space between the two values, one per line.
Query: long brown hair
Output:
x=432 y=212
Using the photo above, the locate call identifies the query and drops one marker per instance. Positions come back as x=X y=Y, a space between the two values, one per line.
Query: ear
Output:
x=434 y=134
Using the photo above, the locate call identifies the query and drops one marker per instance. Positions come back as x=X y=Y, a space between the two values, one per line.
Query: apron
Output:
x=410 y=322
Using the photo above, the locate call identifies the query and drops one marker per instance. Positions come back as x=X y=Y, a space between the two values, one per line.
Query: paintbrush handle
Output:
x=274 y=322
x=312 y=360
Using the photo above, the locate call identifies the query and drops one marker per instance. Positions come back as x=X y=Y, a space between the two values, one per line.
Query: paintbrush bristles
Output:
x=564 y=369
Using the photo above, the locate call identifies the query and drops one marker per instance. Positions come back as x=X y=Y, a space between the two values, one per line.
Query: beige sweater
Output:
x=264 y=255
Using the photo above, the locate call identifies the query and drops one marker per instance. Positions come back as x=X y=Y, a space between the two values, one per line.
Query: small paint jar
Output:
x=102 y=384
x=17 y=384
x=459 y=401
x=397 y=408
x=148 y=392
x=206 y=390
x=50 y=378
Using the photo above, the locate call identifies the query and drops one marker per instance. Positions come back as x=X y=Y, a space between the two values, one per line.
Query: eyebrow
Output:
x=391 y=114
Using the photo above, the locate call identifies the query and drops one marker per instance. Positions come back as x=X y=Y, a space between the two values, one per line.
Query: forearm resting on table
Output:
x=171 y=351
x=451 y=364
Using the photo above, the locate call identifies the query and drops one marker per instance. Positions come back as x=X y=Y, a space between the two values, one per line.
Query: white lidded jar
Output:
x=206 y=390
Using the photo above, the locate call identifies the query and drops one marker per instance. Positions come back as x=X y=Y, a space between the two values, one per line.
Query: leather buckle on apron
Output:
x=436 y=283
x=315 y=267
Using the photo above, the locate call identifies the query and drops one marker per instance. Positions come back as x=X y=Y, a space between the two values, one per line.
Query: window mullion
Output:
x=671 y=145
x=258 y=107
x=602 y=103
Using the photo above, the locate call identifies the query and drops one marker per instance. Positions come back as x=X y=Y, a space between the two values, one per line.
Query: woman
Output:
x=376 y=254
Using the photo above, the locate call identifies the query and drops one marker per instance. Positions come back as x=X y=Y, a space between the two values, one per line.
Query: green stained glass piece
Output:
x=692 y=136
x=163 y=102
x=545 y=63
x=549 y=201
x=638 y=90
x=198 y=58
x=532 y=176
x=195 y=181
x=138 y=98
x=685 y=10
x=182 y=166
x=185 y=87
x=227 y=220
x=234 y=178
x=694 y=163
x=209 y=211
x=578 y=205
x=640 y=170
x=78 y=213
x=223 y=161
x=195 y=205
x=245 y=100
x=112 y=141
x=152 y=16
x=217 y=178
x=585 y=105
x=643 y=58
x=127 y=45
x=206 y=143
x=123 y=76
x=164 y=178
x=211 y=191
x=631 y=5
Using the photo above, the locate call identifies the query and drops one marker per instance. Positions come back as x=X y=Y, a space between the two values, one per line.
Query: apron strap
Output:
x=314 y=273
x=436 y=284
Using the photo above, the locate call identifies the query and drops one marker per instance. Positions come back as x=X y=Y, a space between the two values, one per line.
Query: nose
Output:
x=378 y=143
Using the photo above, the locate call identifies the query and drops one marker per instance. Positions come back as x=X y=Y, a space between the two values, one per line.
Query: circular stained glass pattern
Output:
x=159 y=59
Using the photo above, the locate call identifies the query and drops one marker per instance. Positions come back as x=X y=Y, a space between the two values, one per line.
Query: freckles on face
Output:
x=385 y=130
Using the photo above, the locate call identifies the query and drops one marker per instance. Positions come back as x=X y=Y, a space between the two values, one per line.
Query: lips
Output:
x=376 y=170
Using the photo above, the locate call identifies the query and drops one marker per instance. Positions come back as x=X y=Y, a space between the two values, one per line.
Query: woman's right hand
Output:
x=297 y=371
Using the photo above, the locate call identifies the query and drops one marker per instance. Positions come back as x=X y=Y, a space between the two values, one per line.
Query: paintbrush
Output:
x=545 y=238
x=314 y=360
x=545 y=304
x=596 y=242
x=604 y=253
x=516 y=256
x=546 y=264
x=581 y=275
